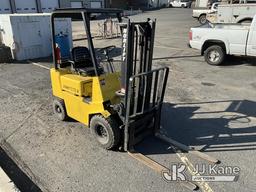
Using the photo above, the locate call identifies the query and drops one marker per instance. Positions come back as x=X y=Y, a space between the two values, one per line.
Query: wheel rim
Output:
x=203 y=19
x=214 y=56
x=58 y=109
x=102 y=134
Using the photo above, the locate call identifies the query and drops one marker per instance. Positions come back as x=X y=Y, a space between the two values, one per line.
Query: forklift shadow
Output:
x=231 y=126
x=116 y=52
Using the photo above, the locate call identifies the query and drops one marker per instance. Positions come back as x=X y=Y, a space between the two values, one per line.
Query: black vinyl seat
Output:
x=82 y=62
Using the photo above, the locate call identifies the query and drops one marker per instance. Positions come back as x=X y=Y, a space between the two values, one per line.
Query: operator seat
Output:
x=82 y=61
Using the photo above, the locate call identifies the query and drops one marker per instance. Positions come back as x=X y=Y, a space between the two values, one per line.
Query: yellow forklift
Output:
x=120 y=108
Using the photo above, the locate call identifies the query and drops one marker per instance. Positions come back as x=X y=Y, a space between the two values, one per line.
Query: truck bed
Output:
x=232 y=26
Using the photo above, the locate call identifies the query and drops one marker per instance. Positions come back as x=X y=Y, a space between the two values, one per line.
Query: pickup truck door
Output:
x=251 y=43
x=237 y=41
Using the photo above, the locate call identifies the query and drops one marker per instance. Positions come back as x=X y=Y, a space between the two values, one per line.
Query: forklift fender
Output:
x=105 y=114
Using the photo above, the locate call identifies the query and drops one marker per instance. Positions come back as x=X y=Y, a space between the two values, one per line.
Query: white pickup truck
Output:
x=180 y=3
x=215 y=41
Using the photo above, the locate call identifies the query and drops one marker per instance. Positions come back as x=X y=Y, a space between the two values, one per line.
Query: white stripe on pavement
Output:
x=39 y=65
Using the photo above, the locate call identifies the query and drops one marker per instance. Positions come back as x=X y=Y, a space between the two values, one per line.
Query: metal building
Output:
x=45 y=6
x=83 y=3
x=135 y=4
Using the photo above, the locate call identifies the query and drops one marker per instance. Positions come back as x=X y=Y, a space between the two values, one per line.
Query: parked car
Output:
x=215 y=41
x=180 y=3
x=200 y=13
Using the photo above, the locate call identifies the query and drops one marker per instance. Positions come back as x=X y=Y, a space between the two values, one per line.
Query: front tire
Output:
x=214 y=55
x=59 y=109
x=106 y=131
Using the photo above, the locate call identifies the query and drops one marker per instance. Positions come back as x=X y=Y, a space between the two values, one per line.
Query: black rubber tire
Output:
x=99 y=126
x=182 y=6
x=219 y=51
x=246 y=21
x=59 y=109
x=202 y=19
x=170 y=6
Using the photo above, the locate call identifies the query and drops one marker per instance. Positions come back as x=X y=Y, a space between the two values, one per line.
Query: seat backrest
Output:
x=81 y=57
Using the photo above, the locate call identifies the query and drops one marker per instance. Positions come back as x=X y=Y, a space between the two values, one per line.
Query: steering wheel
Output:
x=107 y=50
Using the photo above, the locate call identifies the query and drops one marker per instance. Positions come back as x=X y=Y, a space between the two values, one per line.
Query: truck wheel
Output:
x=59 y=109
x=182 y=6
x=214 y=55
x=245 y=21
x=170 y=6
x=106 y=131
x=202 y=19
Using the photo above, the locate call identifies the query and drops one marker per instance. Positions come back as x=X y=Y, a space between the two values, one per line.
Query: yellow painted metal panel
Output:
x=75 y=89
x=74 y=84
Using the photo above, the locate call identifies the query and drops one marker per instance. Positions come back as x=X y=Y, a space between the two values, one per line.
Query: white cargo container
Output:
x=29 y=35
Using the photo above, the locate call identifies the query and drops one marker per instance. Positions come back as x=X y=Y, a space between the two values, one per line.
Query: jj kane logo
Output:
x=202 y=172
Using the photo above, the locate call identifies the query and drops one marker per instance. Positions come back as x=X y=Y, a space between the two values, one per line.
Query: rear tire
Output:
x=182 y=6
x=59 y=109
x=214 y=55
x=106 y=131
x=202 y=19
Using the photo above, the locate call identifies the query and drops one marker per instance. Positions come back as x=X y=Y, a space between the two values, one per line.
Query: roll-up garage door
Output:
x=96 y=4
x=49 y=5
x=26 y=6
x=5 y=6
x=76 y=4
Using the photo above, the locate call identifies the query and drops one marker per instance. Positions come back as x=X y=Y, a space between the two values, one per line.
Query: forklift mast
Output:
x=144 y=88
x=137 y=43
